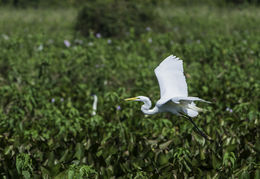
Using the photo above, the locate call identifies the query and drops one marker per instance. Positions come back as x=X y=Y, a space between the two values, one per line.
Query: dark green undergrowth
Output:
x=79 y=3
x=46 y=88
x=117 y=18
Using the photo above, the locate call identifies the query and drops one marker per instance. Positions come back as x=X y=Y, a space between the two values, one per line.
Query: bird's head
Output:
x=138 y=98
x=147 y=103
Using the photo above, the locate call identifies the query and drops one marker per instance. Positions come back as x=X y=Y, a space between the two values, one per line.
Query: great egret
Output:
x=174 y=92
x=94 y=107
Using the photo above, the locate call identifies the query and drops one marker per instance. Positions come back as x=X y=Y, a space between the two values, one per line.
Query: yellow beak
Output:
x=131 y=99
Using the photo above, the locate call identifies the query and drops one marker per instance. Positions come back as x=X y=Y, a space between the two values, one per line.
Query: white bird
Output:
x=94 y=107
x=174 y=92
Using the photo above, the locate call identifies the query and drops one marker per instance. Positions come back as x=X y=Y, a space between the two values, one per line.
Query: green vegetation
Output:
x=48 y=74
x=116 y=19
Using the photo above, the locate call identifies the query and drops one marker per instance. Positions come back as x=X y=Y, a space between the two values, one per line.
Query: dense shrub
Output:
x=116 y=18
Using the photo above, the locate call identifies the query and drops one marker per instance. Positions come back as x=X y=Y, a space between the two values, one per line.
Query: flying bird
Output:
x=173 y=91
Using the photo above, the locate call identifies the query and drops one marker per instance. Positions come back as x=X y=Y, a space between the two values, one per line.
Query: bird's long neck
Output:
x=146 y=107
x=94 y=105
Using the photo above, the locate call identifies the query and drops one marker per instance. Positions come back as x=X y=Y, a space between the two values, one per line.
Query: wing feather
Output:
x=171 y=79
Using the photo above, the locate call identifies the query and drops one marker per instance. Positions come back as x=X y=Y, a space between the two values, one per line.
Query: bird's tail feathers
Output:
x=191 y=112
x=191 y=109
x=192 y=106
x=195 y=108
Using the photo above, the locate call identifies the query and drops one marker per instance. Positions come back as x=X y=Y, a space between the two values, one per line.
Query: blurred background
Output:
x=56 y=56
x=79 y=3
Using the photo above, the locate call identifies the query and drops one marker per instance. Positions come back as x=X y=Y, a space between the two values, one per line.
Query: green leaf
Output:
x=79 y=151
x=165 y=145
x=26 y=174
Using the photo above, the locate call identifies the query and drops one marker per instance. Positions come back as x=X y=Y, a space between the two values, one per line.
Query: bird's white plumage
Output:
x=171 y=79
x=173 y=90
x=94 y=105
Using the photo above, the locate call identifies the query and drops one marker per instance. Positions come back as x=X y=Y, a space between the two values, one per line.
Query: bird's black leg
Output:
x=198 y=130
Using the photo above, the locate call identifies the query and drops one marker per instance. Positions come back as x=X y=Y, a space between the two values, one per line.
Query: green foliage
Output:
x=117 y=18
x=79 y=3
x=46 y=125
x=78 y=172
x=24 y=165
x=40 y=3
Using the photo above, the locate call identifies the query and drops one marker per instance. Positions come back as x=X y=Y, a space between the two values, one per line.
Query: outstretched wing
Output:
x=188 y=99
x=171 y=79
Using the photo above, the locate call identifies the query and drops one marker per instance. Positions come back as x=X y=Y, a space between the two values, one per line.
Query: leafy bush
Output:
x=116 y=18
